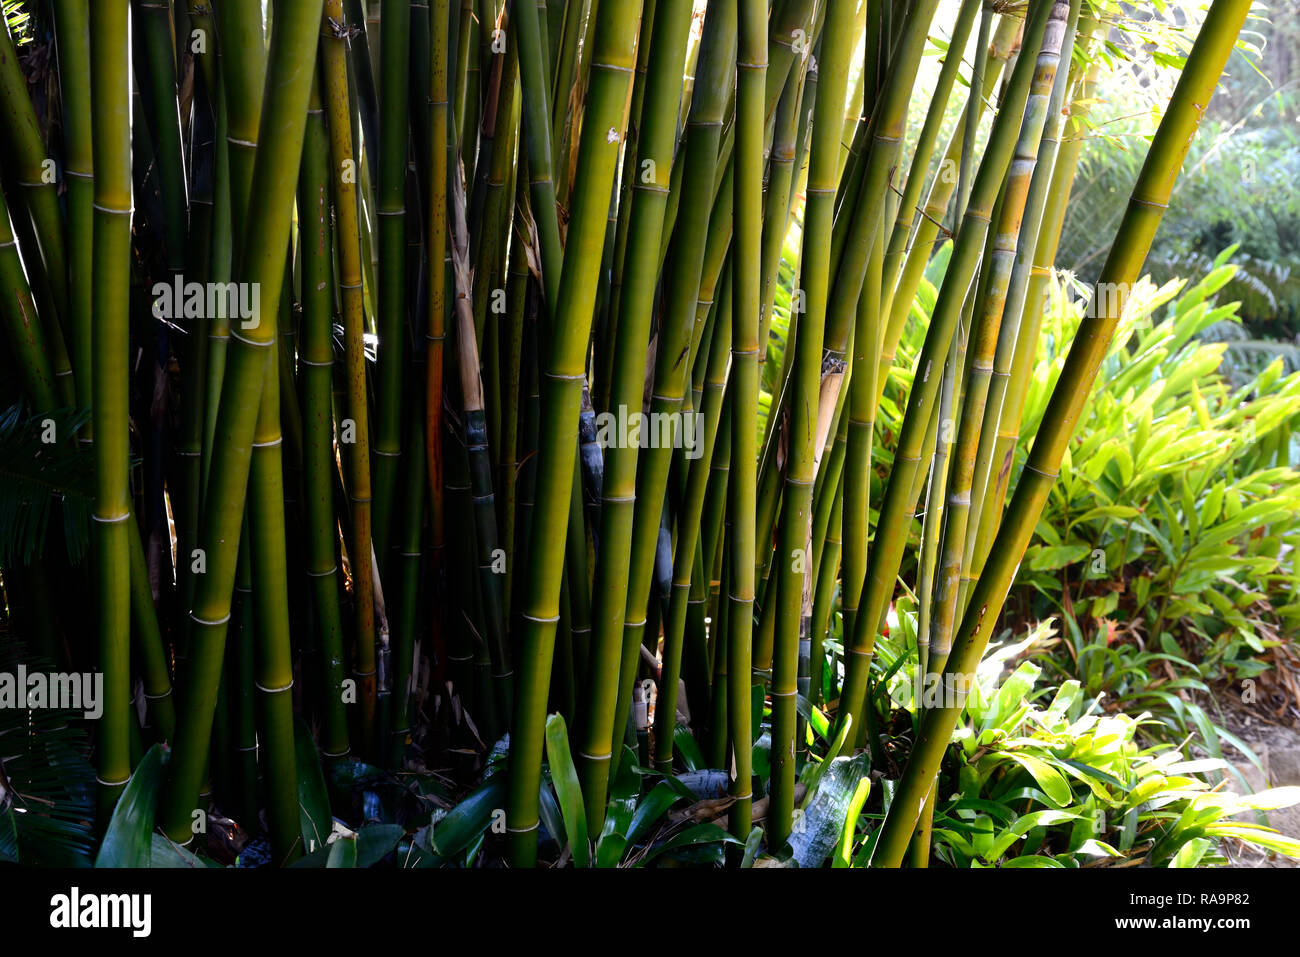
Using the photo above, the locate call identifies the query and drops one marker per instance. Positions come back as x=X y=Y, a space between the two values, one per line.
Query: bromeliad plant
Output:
x=463 y=234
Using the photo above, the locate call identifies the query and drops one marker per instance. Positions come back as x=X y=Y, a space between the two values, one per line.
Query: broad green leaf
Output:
x=565 y=778
x=376 y=841
x=128 y=841
x=343 y=853
x=313 y=798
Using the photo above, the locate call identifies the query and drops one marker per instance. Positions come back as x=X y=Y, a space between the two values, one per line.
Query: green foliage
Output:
x=1173 y=519
x=1067 y=786
x=46 y=782
x=41 y=470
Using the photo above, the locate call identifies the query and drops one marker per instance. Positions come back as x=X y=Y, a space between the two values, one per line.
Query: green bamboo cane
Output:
x=361 y=69
x=357 y=452
x=480 y=466
x=517 y=293
x=863 y=402
x=316 y=364
x=418 y=97
x=982 y=509
x=777 y=202
x=932 y=526
x=37 y=182
x=747 y=298
x=460 y=38
x=440 y=156
x=791 y=623
x=274 y=658
x=242 y=58
x=23 y=330
x=154 y=671
x=157 y=82
x=984 y=333
x=187 y=499
x=110 y=131
x=409 y=558
x=613 y=60
x=613 y=595
x=493 y=229
x=1150 y=198
x=220 y=262
x=884 y=134
x=238 y=687
x=902 y=285
x=690 y=292
x=481 y=138
x=921 y=155
x=536 y=130
x=618 y=222
x=685 y=548
x=394 y=109
x=72 y=32
x=827 y=524
x=565 y=104
x=34 y=171
x=898 y=503
x=1022 y=361
x=275 y=176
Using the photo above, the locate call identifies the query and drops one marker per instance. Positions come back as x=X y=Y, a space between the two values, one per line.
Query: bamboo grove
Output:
x=374 y=491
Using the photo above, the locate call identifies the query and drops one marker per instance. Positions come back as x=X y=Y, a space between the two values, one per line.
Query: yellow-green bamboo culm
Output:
x=275 y=176
x=613 y=61
x=1150 y=198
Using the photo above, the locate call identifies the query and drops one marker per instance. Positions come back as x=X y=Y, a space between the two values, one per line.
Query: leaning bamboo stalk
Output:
x=984 y=334
x=1150 y=198
x=884 y=139
x=901 y=285
x=536 y=123
x=480 y=466
x=746 y=304
x=685 y=551
x=316 y=365
x=614 y=595
x=157 y=84
x=156 y=682
x=22 y=326
x=898 y=502
x=791 y=622
x=274 y=178
x=26 y=157
x=394 y=101
x=356 y=432
x=72 y=32
x=983 y=509
x=1026 y=345
x=613 y=61
x=110 y=303
x=689 y=289
x=921 y=155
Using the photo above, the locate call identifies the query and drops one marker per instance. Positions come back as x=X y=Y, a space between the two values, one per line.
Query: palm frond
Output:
x=40 y=468
x=46 y=780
